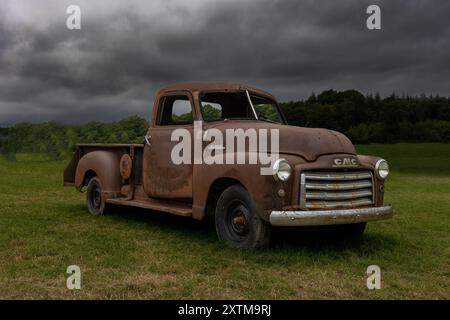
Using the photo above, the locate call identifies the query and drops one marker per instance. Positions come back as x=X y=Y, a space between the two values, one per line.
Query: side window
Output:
x=175 y=110
x=211 y=111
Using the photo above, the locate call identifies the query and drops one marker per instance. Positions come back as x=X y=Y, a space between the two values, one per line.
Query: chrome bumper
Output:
x=326 y=217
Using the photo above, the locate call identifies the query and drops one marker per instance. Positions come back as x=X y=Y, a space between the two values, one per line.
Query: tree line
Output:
x=370 y=118
x=364 y=119
x=58 y=140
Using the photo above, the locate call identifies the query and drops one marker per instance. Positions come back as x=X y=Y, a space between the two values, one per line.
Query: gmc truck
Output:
x=317 y=178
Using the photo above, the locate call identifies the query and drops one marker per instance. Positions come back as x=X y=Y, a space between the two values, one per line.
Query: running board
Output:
x=177 y=208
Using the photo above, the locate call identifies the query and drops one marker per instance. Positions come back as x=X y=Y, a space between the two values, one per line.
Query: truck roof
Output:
x=212 y=86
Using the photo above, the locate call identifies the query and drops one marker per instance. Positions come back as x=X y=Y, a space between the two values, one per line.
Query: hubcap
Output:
x=237 y=218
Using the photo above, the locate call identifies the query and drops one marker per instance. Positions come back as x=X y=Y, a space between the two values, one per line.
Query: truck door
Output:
x=162 y=178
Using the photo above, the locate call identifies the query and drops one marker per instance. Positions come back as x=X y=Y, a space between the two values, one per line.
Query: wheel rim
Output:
x=237 y=220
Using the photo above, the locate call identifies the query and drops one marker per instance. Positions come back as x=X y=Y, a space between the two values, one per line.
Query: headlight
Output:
x=281 y=170
x=382 y=169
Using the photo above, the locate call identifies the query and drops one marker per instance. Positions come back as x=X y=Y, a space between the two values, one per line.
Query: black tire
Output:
x=94 y=202
x=237 y=222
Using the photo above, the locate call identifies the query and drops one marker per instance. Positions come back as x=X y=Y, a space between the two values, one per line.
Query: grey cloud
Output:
x=123 y=54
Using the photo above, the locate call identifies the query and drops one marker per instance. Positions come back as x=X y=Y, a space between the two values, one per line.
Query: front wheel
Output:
x=237 y=223
x=96 y=205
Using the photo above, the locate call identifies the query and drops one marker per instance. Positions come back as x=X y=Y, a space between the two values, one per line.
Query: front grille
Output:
x=336 y=189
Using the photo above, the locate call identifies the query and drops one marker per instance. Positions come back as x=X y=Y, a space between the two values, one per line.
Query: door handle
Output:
x=147 y=139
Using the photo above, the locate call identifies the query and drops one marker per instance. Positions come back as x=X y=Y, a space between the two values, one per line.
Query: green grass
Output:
x=139 y=254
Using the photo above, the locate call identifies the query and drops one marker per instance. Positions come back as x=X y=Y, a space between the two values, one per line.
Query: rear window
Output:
x=176 y=110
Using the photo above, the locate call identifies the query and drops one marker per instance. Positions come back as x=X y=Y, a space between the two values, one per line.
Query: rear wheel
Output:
x=237 y=223
x=94 y=201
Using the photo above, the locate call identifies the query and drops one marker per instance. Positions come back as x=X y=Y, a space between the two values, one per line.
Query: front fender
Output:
x=263 y=189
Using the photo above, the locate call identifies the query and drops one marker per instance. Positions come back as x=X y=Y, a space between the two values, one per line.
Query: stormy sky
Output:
x=126 y=50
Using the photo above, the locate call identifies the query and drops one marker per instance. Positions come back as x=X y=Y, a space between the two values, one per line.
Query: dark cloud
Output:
x=124 y=52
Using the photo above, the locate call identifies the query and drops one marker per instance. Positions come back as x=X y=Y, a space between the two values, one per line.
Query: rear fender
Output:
x=105 y=165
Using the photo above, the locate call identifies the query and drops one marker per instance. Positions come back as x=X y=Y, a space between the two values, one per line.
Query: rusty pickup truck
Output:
x=316 y=179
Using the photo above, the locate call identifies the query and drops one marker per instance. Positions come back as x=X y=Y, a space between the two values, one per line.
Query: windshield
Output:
x=216 y=106
x=266 y=109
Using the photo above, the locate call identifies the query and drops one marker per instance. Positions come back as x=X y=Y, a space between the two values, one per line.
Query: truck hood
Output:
x=309 y=143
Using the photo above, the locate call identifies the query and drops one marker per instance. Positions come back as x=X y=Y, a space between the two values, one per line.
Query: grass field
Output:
x=139 y=254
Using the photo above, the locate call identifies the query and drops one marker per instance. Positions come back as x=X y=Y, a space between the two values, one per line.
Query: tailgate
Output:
x=69 y=172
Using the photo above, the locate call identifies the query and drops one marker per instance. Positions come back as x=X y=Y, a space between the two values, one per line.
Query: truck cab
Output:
x=189 y=165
